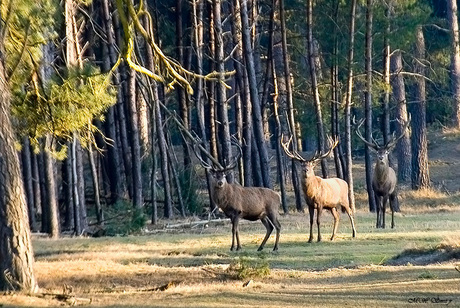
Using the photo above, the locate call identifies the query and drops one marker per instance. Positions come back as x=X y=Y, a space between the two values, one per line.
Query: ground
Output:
x=415 y=264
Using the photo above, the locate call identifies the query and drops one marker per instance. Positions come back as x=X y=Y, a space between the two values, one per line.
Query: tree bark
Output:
x=420 y=171
x=28 y=182
x=348 y=102
x=16 y=254
x=403 y=149
x=136 y=159
x=368 y=104
x=314 y=86
x=254 y=95
x=290 y=107
x=452 y=16
x=51 y=192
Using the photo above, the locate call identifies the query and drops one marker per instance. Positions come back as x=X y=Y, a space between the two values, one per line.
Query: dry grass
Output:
x=190 y=268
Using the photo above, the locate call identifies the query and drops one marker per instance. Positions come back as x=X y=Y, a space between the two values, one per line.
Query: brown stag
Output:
x=238 y=202
x=330 y=194
x=384 y=179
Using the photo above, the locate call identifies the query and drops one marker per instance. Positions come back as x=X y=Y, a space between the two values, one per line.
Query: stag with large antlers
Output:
x=384 y=179
x=238 y=202
x=330 y=194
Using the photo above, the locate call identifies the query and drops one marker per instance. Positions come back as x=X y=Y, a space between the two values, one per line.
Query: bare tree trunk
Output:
x=290 y=107
x=335 y=120
x=403 y=148
x=254 y=95
x=136 y=159
x=94 y=175
x=348 y=101
x=314 y=85
x=221 y=102
x=28 y=184
x=368 y=104
x=420 y=170
x=113 y=150
x=386 y=75
x=67 y=186
x=53 y=212
x=182 y=95
x=452 y=16
x=16 y=254
x=36 y=185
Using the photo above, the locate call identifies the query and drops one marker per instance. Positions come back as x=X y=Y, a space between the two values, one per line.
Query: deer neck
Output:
x=311 y=183
x=381 y=170
x=220 y=195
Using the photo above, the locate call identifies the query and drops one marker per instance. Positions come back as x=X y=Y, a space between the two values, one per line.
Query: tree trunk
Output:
x=314 y=85
x=221 y=102
x=420 y=172
x=452 y=16
x=290 y=107
x=16 y=254
x=254 y=95
x=335 y=90
x=67 y=186
x=403 y=149
x=348 y=101
x=181 y=93
x=51 y=192
x=368 y=104
x=136 y=159
x=113 y=149
x=94 y=176
x=28 y=182
x=386 y=75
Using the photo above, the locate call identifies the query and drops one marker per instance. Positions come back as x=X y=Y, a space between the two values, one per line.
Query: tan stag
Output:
x=330 y=194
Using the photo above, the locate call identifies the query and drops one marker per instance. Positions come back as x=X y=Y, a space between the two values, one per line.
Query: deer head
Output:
x=217 y=171
x=308 y=165
x=382 y=150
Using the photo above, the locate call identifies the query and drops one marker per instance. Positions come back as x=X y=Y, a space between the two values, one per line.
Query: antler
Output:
x=318 y=156
x=237 y=156
x=391 y=143
x=216 y=166
x=294 y=155
x=373 y=145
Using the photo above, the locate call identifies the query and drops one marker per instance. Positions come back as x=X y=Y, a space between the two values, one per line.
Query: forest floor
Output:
x=415 y=264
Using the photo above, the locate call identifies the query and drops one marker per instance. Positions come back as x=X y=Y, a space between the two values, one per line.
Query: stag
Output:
x=330 y=194
x=384 y=179
x=238 y=202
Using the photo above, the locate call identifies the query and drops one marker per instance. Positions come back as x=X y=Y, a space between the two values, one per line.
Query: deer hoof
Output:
x=260 y=249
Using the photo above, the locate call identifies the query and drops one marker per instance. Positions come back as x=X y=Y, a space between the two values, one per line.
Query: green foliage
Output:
x=66 y=105
x=245 y=267
x=123 y=219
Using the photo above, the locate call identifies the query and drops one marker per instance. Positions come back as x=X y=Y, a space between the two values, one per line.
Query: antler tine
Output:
x=333 y=143
x=237 y=156
x=294 y=155
x=374 y=145
x=394 y=140
x=203 y=163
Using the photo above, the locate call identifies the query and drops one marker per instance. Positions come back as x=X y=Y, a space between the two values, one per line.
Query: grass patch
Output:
x=249 y=268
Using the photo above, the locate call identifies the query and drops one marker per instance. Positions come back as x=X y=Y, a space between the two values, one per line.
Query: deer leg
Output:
x=378 y=202
x=311 y=210
x=276 y=223
x=235 y=233
x=384 y=209
x=336 y=222
x=394 y=206
x=269 y=226
x=352 y=220
x=318 y=221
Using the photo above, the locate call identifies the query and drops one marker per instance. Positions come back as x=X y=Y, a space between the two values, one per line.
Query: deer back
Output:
x=328 y=192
